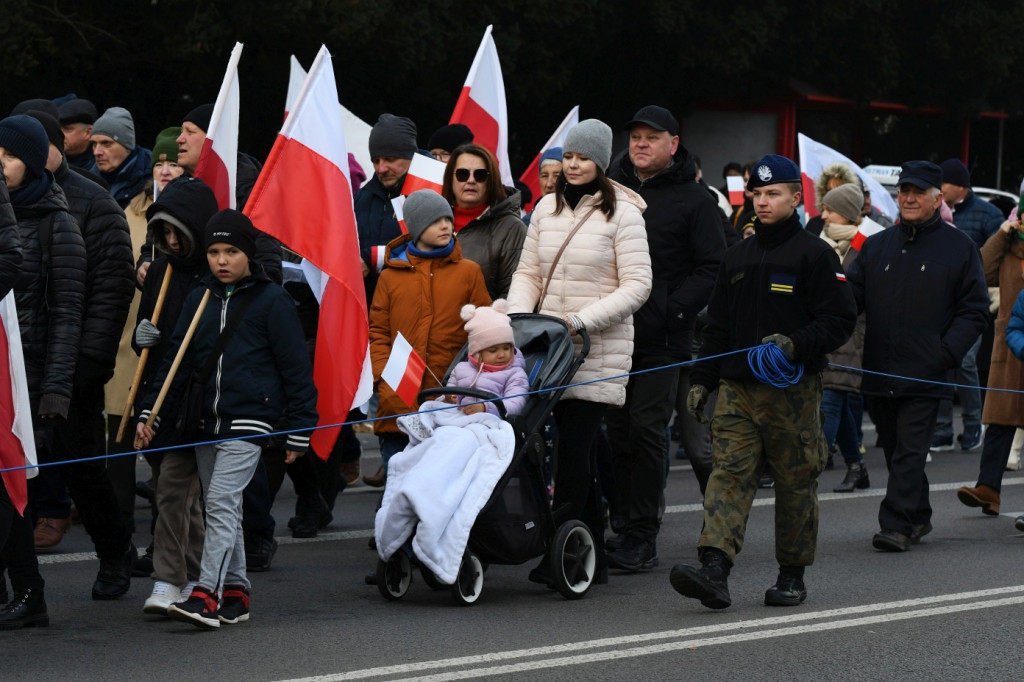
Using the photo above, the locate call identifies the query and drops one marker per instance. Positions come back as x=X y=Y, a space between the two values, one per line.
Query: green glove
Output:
x=783 y=342
x=696 y=399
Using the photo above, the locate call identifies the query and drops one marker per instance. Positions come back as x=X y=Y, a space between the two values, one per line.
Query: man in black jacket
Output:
x=922 y=289
x=109 y=287
x=684 y=234
x=783 y=286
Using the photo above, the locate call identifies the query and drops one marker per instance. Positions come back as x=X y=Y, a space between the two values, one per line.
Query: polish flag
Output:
x=734 y=183
x=866 y=229
x=17 y=440
x=404 y=371
x=304 y=198
x=531 y=178
x=398 y=203
x=218 y=162
x=814 y=157
x=424 y=173
x=481 y=106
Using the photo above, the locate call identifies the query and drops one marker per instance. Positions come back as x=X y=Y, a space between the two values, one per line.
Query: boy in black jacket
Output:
x=264 y=372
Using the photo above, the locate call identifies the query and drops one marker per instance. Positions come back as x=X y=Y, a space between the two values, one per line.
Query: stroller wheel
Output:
x=431 y=580
x=573 y=561
x=470 y=583
x=394 y=576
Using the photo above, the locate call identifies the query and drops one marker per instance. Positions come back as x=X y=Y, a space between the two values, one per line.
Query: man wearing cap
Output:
x=783 y=286
x=392 y=145
x=125 y=167
x=979 y=220
x=684 y=234
x=921 y=287
x=76 y=117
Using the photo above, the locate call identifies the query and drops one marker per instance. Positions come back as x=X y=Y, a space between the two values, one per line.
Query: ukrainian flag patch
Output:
x=782 y=284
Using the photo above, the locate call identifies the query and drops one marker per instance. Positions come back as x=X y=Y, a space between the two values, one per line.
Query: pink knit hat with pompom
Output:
x=487 y=326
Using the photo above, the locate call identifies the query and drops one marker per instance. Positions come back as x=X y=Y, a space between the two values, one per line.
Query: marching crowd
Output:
x=151 y=319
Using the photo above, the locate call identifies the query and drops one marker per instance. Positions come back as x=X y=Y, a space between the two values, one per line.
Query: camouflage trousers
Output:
x=756 y=424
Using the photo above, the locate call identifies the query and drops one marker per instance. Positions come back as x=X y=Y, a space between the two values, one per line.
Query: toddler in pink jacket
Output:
x=494 y=364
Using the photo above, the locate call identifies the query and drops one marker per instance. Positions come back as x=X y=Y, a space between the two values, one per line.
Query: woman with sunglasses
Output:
x=585 y=260
x=487 y=220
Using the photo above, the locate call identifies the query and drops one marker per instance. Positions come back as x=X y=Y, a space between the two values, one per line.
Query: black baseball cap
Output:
x=655 y=117
x=920 y=174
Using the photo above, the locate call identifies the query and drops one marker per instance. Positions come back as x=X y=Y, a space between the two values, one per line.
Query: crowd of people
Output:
x=126 y=276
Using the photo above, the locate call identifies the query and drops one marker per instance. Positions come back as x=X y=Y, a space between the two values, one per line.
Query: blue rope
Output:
x=772 y=366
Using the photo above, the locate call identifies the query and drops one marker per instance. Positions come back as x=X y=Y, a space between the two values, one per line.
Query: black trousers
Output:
x=905 y=427
x=17 y=549
x=576 y=481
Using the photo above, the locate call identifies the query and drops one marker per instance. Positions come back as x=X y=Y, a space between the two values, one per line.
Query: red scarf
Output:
x=464 y=216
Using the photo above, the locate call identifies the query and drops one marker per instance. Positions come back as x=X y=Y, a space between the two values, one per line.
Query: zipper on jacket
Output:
x=216 y=383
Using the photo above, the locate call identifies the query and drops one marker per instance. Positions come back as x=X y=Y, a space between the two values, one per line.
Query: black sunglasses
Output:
x=480 y=174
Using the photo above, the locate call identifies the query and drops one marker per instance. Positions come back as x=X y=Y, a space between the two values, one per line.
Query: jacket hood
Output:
x=510 y=205
x=190 y=203
x=623 y=193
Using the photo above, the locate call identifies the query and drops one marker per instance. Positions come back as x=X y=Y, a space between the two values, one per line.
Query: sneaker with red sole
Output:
x=234 y=608
x=200 y=609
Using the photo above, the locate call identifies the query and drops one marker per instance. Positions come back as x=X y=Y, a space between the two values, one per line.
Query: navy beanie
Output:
x=25 y=137
x=200 y=116
x=955 y=173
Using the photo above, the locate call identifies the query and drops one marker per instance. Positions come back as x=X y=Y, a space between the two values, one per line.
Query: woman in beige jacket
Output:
x=602 y=277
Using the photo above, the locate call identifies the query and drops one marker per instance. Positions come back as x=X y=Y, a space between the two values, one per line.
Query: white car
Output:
x=887 y=177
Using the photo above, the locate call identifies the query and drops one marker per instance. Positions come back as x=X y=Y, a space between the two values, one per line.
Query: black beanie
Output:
x=50 y=125
x=200 y=116
x=449 y=137
x=232 y=227
x=44 y=105
x=24 y=137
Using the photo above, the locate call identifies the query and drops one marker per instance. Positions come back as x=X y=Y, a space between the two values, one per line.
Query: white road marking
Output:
x=689 y=638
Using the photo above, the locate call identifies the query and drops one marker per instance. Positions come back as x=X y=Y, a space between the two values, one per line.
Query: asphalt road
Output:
x=949 y=609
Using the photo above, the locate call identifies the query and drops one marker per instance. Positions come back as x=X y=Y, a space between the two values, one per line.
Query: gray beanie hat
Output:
x=393 y=136
x=846 y=200
x=592 y=139
x=116 y=123
x=421 y=209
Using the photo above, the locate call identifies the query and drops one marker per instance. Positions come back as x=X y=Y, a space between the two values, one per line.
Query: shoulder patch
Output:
x=782 y=284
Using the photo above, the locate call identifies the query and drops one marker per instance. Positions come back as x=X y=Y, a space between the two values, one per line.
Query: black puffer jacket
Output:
x=686 y=239
x=50 y=302
x=109 y=273
x=10 y=243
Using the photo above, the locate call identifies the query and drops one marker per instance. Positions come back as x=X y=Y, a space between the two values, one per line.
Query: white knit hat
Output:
x=487 y=326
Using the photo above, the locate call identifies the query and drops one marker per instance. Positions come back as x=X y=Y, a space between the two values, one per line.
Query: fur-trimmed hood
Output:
x=833 y=170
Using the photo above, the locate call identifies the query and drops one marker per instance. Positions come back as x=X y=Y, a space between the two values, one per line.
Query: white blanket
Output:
x=441 y=481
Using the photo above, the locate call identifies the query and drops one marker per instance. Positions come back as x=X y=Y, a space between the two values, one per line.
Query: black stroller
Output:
x=517 y=523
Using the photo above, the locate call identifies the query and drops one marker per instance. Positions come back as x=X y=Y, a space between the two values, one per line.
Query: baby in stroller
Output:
x=440 y=482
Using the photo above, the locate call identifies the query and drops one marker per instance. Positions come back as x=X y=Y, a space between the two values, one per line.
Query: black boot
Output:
x=789 y=589
x=856 y=477
x=28 y=609
x=708 y=583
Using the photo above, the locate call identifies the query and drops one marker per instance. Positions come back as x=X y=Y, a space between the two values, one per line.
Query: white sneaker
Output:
x=164 y=594
x=186 y=591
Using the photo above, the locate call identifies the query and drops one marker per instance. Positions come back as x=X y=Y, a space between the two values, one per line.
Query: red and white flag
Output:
x=218 y=162
x=398 y=203
x=814 y=157
x=404 y=370
x=531 y=178
x=481 y=106
x=866 y=229
x=17 y=440
x=734 y=183
x=304 y=198
x=424 y=173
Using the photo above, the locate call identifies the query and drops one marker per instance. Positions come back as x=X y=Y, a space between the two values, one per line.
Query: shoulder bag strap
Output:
x=551 y=272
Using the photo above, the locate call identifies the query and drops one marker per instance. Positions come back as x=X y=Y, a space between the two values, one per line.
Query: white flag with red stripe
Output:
x=17 y=439
x=481 y=106
x=296 y=77
x=304 y=198
x=424 y=173
x=734 y=183
x=398 y=203
x=814 y=157
x=867 y=228
x=404 y=370
x=531 y=178
x=218 y=162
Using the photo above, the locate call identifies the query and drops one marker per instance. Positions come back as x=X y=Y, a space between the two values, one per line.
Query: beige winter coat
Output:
x=603 y=276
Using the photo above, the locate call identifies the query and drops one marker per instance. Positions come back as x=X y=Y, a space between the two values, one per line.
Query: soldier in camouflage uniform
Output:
x=786 y=287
